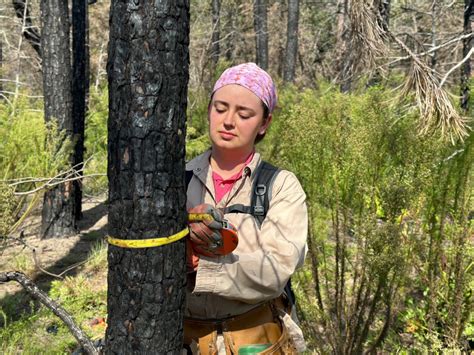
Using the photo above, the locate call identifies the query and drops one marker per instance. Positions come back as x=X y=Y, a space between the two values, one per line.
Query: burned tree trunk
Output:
x=58 y=215
x=261 y=32
x=80 y=88
x=215 y=48
x=467 y=45
x=148 y=74
x=291 y=41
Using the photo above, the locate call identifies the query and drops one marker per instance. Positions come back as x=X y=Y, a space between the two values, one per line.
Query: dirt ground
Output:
x=38 y=258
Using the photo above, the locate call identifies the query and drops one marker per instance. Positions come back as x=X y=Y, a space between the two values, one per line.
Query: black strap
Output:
x=263 y=183
x=188 y=177
x=261 y=193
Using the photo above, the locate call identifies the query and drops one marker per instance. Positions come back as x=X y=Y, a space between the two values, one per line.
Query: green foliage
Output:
x=29 y=147
x=197 y=137
x=96 y=141
x=371 y=183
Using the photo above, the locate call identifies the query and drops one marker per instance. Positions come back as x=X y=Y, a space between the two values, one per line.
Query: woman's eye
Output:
x=220 y=110
x=244 y=116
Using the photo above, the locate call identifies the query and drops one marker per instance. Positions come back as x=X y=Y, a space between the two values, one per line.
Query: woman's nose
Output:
x=229 y=118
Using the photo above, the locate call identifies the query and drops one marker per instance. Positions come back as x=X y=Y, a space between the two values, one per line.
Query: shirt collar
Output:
x=200 y=164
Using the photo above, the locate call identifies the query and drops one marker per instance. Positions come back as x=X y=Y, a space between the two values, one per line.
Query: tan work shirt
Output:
x=259 y=268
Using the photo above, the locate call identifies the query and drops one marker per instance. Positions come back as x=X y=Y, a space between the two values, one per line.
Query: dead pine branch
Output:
x=437 y=112
x=32 y=289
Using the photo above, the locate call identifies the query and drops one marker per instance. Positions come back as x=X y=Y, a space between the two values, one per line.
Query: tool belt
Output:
x=260 y=325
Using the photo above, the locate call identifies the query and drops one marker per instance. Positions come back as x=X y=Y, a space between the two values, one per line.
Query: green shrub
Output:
x=369 y=178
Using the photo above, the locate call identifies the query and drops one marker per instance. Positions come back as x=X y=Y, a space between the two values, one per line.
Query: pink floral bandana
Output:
x=252 y=77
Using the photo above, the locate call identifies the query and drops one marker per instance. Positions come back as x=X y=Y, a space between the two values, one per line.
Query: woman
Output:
x=234 y=299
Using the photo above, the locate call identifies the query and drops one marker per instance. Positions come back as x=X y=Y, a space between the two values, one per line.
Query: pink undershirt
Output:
x=223 y=186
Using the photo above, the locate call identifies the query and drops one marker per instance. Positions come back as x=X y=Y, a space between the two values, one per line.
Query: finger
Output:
x=201 y=234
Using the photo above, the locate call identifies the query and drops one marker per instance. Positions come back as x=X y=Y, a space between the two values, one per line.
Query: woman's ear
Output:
x=265 y=124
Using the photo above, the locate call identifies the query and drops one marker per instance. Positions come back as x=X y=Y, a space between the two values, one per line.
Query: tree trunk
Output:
x=434 y=17
x=22 y=11
x=148 y=69
x=467 y=45
x=291 y=41
x=230 y=31
x=58 y=215
x=215 y=51
x=384 y=10
x=1 y=68
x=261 y=32
x=80 y=88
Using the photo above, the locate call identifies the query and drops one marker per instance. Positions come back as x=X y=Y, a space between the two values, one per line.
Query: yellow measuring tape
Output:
x=157 y=242
x=147 y=243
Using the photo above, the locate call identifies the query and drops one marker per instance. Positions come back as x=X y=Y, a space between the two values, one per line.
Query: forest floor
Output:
x=42 y=259
x=71 y=270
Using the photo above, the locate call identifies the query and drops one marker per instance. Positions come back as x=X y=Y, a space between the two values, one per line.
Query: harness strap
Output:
x=260 y=202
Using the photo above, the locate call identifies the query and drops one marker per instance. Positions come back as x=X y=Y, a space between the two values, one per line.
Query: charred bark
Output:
x=291 y=41
x=80 y=89
x=148 y=72
x=58 y=214
x=467 y=45
x=30 y=32
x=261 y=32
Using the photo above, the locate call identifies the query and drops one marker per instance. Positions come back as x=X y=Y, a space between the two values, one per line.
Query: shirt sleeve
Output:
x=262 y=274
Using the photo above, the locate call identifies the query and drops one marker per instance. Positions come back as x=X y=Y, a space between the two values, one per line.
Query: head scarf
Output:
x=252 y=77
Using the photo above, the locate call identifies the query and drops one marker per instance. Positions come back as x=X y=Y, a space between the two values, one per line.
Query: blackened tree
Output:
x=291 y=41
x=147 y=70
x=80 y=89
x=467 y=45
x=261 y=32
x=58 y=214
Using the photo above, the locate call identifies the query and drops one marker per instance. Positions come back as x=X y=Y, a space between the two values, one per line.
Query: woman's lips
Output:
x=227 y=134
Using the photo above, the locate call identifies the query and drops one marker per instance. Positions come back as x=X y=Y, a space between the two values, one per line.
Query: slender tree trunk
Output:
x=384 y=10
x=80 y=85
x=261 y=32
x=148 y=72
x=30 y=32
x=58 y=215
x=467 y=45
x=434 y=18
x=215 y=51
x=1 y=68
x=281 y=41
x=230 y=34
x=291 y=41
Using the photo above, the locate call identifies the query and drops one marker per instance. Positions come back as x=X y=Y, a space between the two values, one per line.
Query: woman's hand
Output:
x=205 y=235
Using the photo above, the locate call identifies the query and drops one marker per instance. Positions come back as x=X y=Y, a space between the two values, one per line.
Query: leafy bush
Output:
x=371 y=182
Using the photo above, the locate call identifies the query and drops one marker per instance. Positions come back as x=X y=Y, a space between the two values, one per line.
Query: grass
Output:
x=40 y=332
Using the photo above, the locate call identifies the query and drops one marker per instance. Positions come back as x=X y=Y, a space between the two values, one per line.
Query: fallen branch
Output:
x=32 y=289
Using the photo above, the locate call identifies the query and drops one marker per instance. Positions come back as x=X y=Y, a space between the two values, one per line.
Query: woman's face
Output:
x=235 y=119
